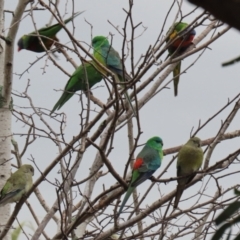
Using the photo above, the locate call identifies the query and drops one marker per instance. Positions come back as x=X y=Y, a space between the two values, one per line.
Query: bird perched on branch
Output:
x=31 y=41
x=84 y=77
x=146 y=163
x=190 y=158
x=184 y=37
x=17 y=185
x=110 y=58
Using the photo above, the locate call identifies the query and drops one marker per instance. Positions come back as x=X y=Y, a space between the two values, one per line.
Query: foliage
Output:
x=228 y=219
x=17 y=231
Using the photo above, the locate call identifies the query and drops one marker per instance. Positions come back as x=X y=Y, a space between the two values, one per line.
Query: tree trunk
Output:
x=6 y=80
x=5 y=129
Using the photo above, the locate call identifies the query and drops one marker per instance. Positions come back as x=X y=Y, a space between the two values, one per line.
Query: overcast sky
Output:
x=203 y=90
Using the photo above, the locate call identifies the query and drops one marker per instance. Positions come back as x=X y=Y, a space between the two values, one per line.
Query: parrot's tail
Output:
x=54 y=29
x=176 y=76
x=63 y=99
x=9 y=197
x=74 y=15
x=178 y=196
x=129 y=192
x=130 y=104
x=128 y=78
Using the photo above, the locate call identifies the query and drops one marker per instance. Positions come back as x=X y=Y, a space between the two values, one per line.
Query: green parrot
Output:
x=84 y=73
x=146 y=163
x=179 y=46
x=17 y=185
x=190 y=159
x=110 y=58
x=31 y=41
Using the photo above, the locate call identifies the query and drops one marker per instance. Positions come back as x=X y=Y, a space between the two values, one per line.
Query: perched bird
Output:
x=48 y=36
x=146 y=163
x=86 y=73
x=110 y=58
x=190 y=158
x=179 y=46
x=17 y=185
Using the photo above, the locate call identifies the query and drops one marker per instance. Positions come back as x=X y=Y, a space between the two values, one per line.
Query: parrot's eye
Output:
x=94 y=41
x=159 y=141
x=197 y=142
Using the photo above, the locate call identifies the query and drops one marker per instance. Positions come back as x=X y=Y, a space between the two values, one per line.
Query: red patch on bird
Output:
x=138 y=163
x=183 y=42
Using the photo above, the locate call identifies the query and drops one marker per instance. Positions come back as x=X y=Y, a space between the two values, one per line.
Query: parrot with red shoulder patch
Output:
x=146 y=163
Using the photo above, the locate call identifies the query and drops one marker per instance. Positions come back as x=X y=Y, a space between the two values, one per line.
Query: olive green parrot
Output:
x=179 y=46
x=190 y=158
x=48 y=36
x=17 y=185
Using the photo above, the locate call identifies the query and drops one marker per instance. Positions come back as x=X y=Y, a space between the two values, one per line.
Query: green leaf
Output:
x=237 y=238
x=235 y=220
x=16 y=233
x=114 y=237
x=228 y=212
x=229 y=234
x=237 y=192
x=237 y=59
x=220 y=231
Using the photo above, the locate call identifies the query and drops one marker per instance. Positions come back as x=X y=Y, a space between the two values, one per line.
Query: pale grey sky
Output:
x=203 y=90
